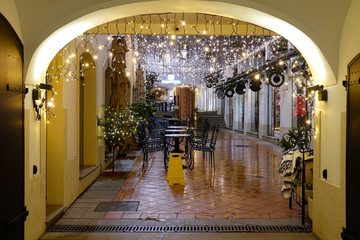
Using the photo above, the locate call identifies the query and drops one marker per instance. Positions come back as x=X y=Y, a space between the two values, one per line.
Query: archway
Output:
x=48 y=48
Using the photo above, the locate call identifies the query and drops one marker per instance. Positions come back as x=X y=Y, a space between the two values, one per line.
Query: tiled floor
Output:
x=245 y=184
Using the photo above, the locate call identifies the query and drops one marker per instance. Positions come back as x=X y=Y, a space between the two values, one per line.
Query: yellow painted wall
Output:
x=322 y=20
x=55 y=145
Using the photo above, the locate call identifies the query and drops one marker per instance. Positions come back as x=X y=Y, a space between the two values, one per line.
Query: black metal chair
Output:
x=153 y=140
x=206 y=149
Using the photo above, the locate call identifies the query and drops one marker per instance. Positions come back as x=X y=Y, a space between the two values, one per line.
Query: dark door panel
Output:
x=12 y=210
x=352 y=230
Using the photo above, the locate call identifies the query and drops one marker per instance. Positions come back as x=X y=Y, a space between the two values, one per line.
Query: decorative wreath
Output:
x=221 y=94
x=255 y=86
x=240 y=88
x=229 y=92
x=277 y=79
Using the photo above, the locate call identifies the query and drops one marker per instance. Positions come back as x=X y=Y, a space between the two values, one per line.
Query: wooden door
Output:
x=12 y=210
x=352 y=230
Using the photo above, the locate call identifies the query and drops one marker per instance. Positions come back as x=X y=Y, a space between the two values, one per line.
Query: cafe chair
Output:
x=207 y=149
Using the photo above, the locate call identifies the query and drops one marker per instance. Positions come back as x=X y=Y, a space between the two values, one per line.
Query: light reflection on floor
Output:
x=245 y=184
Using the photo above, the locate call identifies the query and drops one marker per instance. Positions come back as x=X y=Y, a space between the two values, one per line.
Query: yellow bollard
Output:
x=175 y=174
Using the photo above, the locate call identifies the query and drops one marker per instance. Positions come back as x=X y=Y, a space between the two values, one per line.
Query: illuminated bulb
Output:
x=206 y=49
x=204 y=32
x=51 y=99
x=70 y=74
x=211 y=69
x=55 y=93
x=127 y=74
x=110 y=54
x=95 y=57
x=281 y=62
x=86 y=65
x=308 y=121
x=47 y=122
x=134 y=60
x=243 y=54
x=136 y=53
x=51 y=104
x=198 y=40
x=172 y=43
x=73 y=55
x=141 y=26
x=100 y=47
x=257 y=76
x=173 y=37
x=183 y=23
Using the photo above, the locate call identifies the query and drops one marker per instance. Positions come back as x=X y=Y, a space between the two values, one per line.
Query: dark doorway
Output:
x=352 y=230
x=12 y=210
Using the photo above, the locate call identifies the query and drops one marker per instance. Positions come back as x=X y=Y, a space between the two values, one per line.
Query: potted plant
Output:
x=119 y=130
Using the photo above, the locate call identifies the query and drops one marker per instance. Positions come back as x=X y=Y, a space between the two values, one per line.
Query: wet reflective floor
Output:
x=244 y=184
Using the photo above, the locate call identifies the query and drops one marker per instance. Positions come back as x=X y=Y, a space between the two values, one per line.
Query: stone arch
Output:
x=318 y=64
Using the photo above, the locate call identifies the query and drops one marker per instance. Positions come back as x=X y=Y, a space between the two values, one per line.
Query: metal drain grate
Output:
x=180 y=229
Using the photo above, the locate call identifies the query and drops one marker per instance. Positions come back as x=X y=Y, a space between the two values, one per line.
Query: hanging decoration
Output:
x=277 y=80
x=240 y=88
x=221 y=94
x=229 y=92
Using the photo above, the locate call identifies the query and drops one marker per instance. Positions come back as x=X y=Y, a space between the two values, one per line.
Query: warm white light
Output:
x=95 y=56
x=127 y=74
x=51 y=104
x=173 y=37
x=100 y=47
x=212 y=69
x=206 y=49
x=257 y=76
x=281 y=62
x=243 y=54
x=183 y=23
x=171 y=77
x=136 y=53
x=172 y=43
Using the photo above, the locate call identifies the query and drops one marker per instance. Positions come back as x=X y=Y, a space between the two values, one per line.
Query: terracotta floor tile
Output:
x=241 y=215
x=167 y=215
x=149 y=215
x=186 y=215
x=131 y=215
x=278 y=215
x=223 y=215
x=204 y=215
x=231 y=191
x=114 y=215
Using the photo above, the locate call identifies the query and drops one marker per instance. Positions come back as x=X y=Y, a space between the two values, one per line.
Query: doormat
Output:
x=113 y=174
x=124 y=206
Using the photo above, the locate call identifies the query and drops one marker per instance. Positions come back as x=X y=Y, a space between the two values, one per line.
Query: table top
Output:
x=177 y=135
x=175 y=130
x=177 y=127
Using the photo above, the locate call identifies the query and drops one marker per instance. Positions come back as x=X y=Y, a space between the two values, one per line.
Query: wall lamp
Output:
x=322 y=93
x=39 y=97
